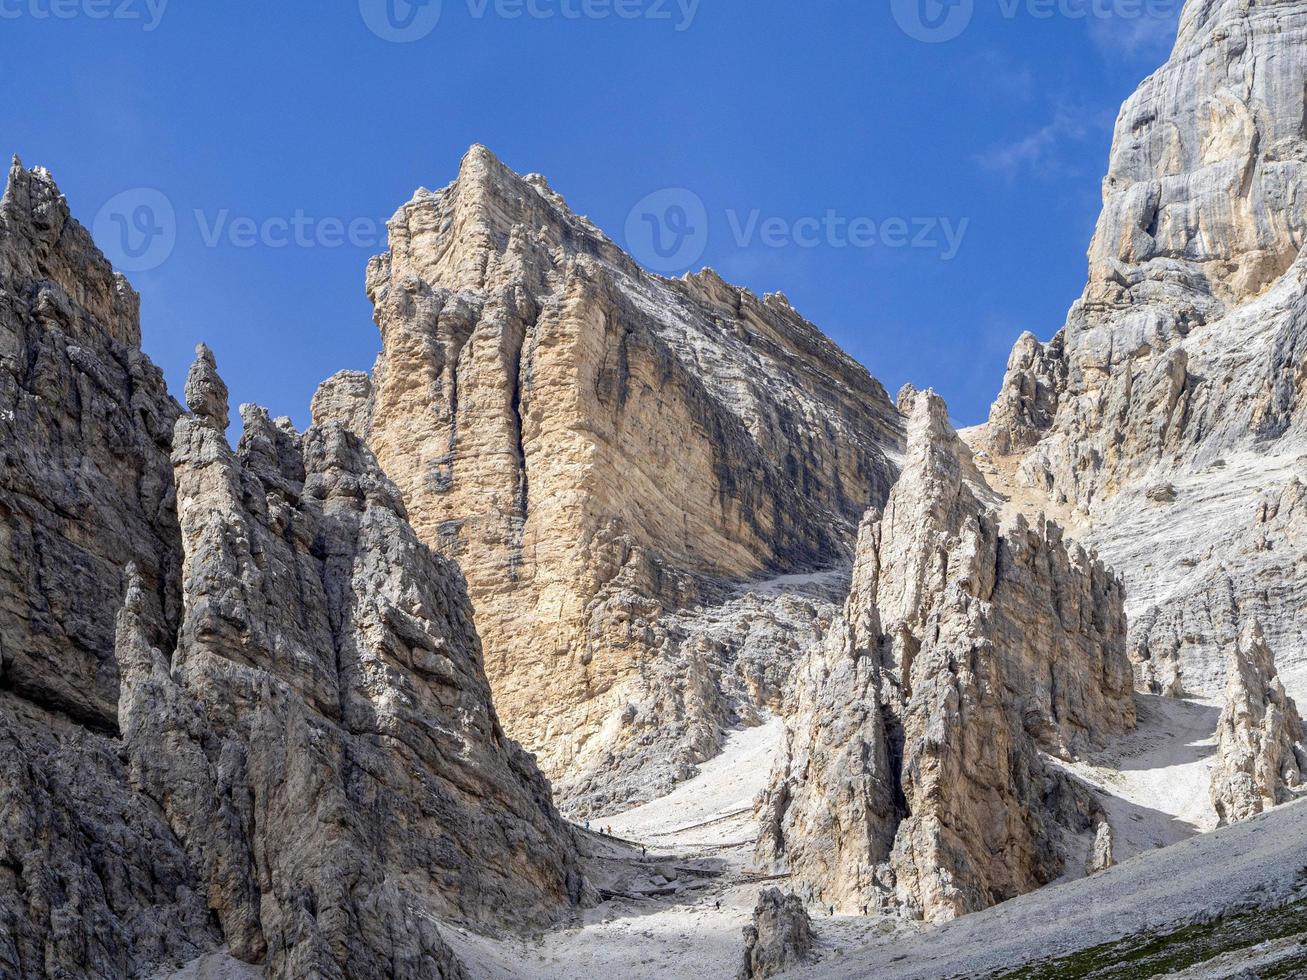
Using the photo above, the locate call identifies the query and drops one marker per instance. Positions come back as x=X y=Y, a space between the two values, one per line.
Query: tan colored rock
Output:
x=1166 y=423
x=913 y=771
x=1260 y=757
x=599 y=448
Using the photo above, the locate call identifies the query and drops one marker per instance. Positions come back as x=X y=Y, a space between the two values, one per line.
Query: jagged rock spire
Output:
x=206 y=392
x=1260 y=757
x=913 y=771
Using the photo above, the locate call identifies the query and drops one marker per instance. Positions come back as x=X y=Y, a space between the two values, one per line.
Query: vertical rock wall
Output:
x=598 y=447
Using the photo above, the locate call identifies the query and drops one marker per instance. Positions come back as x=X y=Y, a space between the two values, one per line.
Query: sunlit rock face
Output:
x=601 y=449
x=1166 y=422
x=913 y=773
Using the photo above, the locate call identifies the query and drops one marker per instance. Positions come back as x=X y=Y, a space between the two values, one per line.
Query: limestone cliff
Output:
x=913 y=772
x=1166 y=423
x=85 y=485
x=1260 y=756
x=599 y=449
x=278 y=738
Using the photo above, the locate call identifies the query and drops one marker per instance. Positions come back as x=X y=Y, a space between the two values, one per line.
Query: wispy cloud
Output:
x=1149 y=35
x=1071 y=124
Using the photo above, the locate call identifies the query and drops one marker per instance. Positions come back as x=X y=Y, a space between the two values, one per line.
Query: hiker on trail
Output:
x=587 y=824
x=644 y=851
x=717 y=904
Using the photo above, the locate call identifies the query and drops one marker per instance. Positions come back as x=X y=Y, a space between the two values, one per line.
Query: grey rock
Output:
x=1260 y=757
x=912 y=774
x=1101 y=856
x=346 y=398
x=332 y=760
x=243 y=710
x=85 y=482
x=779 y=938
x=206 y=392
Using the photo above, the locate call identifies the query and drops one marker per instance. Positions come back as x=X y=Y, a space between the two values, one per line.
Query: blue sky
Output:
x=821 y=139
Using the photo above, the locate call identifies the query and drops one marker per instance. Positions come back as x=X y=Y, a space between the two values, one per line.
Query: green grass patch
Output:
x=1157 y=954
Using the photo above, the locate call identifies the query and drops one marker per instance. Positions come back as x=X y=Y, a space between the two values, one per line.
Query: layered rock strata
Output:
x=912 y=773
x=599 y=448
x=1260 y=758
x=1166 y=423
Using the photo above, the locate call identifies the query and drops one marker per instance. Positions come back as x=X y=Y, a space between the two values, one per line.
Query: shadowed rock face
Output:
x=912 y=771
x=599 y=448
x=1260 y=756
x=92 y=880
x=278 y=737
x=1166 y=422
x=85 y=483
x=334 y=764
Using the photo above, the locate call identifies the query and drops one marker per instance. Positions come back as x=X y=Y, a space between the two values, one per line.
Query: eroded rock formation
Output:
x=1260 y=757
x=278 y=738
x=600 y=448
x=1166 y=423
x=779 y=938
x=913 y=771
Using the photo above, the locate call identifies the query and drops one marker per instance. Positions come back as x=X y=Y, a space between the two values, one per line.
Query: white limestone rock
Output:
x=1166 y=423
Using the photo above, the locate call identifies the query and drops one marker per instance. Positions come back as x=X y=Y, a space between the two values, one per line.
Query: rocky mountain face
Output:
x=1260 y=756
x=85 y=426
x=912 y=773
x=278 y=738
x=601 y=450
x=1166 y=422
